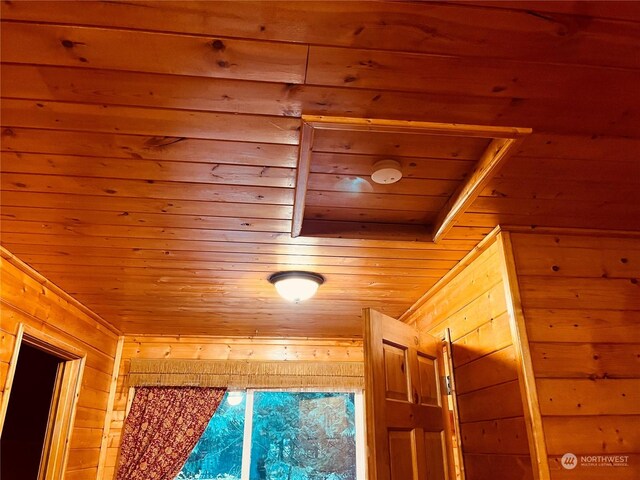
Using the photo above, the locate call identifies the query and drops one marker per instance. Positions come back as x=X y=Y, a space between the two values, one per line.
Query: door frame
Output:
x=55 y=449
x=450 y=398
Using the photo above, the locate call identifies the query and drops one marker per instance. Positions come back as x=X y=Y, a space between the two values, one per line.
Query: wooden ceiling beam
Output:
x=307 y=134
x=409 y=127
x=492 y=159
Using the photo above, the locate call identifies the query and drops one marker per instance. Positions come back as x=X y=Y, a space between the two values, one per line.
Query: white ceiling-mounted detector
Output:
x=386 y=172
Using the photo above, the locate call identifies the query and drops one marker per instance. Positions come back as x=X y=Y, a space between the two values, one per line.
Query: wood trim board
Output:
x=110 y=403
x=526 y=376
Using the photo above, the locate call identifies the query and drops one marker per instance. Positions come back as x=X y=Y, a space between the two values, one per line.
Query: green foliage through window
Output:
x=294 y=436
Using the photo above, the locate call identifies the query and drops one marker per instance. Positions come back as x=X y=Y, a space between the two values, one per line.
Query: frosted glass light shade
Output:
x=296 y=286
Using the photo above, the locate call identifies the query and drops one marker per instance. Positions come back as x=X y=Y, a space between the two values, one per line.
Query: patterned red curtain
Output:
x=163 y=426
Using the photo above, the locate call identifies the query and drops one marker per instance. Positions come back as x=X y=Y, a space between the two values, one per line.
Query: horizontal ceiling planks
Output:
x=149 y=148
x=377 y=286
x=417 y=167
x=613 y=170
x=355 y=185
x=150 y=52
x=598 y=220
x=86 y=217
x=151 y=170
x=330 y=255
x=124 y=206
x=565 y=189
x=614 y=9
x=561 y=82
x=216 y=260
x=147 y=121
x=162 y=147
x=209 y=270
x=339 y=205
x=266 y=98
x=398 y=143
x=146 y=188
x=367 y=215
x=550 y=207
x=271 y=243
x=432 y=28
x=187 y=234
x=477 y=76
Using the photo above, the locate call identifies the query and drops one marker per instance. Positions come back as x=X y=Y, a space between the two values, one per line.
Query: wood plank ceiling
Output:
x=149 y=148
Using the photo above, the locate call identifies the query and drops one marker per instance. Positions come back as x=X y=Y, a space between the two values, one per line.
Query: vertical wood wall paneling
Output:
x=470 y=301
x=581 y=302
x=107 y=419
x=526 y=377
x=213 y=348
x=30 y=299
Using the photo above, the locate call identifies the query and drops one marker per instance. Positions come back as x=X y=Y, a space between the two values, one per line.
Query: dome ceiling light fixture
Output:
x=296 y=286
x=386 y=172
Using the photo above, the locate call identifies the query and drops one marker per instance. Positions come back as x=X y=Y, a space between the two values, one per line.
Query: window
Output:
x=282 y=435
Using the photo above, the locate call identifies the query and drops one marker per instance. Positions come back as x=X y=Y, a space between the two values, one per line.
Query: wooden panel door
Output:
x=405 y=417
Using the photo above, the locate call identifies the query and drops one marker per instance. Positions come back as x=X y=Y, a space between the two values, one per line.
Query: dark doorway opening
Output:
x=28 y=413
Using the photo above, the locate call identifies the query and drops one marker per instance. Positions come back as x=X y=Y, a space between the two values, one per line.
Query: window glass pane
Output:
x=303 y=436
x=218 y=454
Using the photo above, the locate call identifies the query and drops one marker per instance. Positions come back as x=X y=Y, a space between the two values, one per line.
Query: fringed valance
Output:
x=245 y=373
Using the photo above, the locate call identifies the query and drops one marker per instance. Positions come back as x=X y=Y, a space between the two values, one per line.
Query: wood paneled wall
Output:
x=581 y=302
x=26 y=297
x=473 y=306
x=215 y=348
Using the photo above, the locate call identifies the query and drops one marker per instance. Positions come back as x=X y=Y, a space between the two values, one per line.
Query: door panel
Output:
x=429 y=379
x=403 y=454
x=395 y=371
x=405 y=418
x=435 y=455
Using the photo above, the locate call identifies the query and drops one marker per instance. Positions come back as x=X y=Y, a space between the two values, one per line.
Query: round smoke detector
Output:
x=386 y=172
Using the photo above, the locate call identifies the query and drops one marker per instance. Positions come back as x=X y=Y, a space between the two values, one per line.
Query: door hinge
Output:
x=447 y=384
